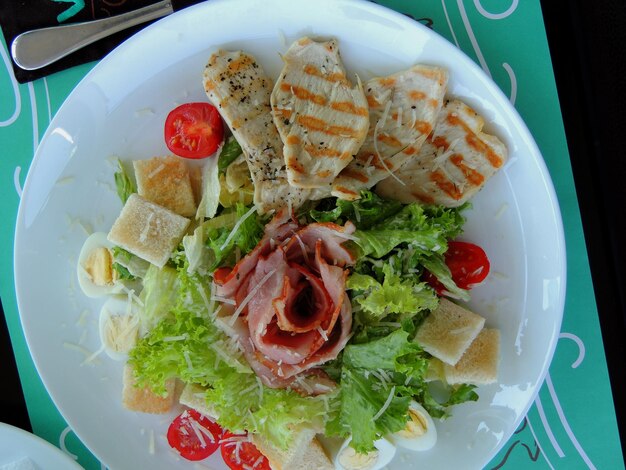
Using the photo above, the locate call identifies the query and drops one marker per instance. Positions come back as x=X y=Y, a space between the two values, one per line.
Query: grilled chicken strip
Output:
x=237 y=85
x=403 y=108
x=454 y=163
x=322 y=119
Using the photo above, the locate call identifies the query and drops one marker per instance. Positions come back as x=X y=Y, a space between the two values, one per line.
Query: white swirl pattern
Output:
x=496 y=16
x=512 y=97
x=476 y=47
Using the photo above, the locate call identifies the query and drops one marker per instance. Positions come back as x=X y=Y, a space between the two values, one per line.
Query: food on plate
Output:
x=321 y=117
x=143 y=399
x=166 y=181
x=94 y=269
x=304 y=453
x=448 y=331
x=454 y=164
x=403 y=108
x=194 y=130
x=300 y=317
x=349 y=459
x=479 y=363
x=148 y=230
x=119 y=327
x=468 y=264
x=419 y=433
x=238 y=86
x=193 y=435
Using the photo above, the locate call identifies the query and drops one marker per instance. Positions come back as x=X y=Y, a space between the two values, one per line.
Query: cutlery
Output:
x=35 y=49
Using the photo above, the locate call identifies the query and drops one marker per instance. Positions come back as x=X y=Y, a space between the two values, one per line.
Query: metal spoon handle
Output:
x=35 y=49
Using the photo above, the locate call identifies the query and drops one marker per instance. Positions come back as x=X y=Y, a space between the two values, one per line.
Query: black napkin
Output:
x=19 y=16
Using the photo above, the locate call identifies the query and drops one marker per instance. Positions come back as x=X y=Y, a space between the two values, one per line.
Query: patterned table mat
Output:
x=572 y=422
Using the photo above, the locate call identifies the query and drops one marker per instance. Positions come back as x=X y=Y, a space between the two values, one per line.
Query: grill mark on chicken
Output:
x=303 y=94
x=336 y=77
x=315 y=124
x=347 y=107
x=403 y=110
x=327 y=119
x=239 y=88
x=454 y=163
x=473 y=177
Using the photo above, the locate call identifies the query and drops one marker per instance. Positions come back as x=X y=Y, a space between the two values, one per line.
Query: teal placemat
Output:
x=572 y=422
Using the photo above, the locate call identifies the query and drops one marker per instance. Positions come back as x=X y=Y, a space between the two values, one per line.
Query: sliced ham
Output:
x=290 y=293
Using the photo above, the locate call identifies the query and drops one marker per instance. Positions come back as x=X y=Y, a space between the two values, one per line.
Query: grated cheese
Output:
x=89 y=359
x=233 y=232
x=168 y=339
x=188 y=360
x=248 y=297
x=143 y=236
x=156 y=171
x=322 y=333
x=302 y=247
x=377 y=128
x=386 y=404
x=151 y=443
x=224 y=300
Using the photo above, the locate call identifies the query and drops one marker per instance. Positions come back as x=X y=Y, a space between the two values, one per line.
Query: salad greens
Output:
x=124 y=185
x=186 y=343
x=378 y=373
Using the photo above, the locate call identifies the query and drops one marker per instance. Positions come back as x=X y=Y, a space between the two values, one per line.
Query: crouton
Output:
x=479 y=364
x=448 y=331
x=148 y=230
x=143 y=399
x=166 y=182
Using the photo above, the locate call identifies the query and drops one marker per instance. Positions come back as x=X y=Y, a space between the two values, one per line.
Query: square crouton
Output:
x=193 y=396
x=166 y=182
x=148 y=230
x=479 y=364
x=304 y=452
x=448 y=331
x=143 y=399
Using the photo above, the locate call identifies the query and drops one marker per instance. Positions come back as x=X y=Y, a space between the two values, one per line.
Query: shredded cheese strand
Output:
x=233 y=232
x=386 y=404
x=248 y=297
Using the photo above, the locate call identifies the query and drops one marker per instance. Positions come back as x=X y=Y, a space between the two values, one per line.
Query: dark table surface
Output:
x=588 y=48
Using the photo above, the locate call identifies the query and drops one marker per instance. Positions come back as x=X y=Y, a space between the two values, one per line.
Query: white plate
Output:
x=19 y=447
x=119 y=109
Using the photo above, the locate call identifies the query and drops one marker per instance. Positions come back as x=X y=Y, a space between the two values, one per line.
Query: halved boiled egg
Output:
x=419 y=433
x=349 y=459
x=96 y=275
x=119 y=326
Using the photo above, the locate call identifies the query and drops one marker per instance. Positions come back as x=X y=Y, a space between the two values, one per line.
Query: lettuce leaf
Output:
x=229 y=153
x=187 y=344
x=395 y=295
x=210 y=200
x=123 y=182
x=364 y=212
x=376 y=388
x=159 y=295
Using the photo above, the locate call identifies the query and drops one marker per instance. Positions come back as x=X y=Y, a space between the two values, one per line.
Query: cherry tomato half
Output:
x=194 y=130
x=193 y=435
x=468 y=264
x=241 y=454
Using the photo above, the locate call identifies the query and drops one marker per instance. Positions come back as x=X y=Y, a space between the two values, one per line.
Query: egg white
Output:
x=418 y=443
x=94 y=241
x=118 y=308
x=386 y=452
